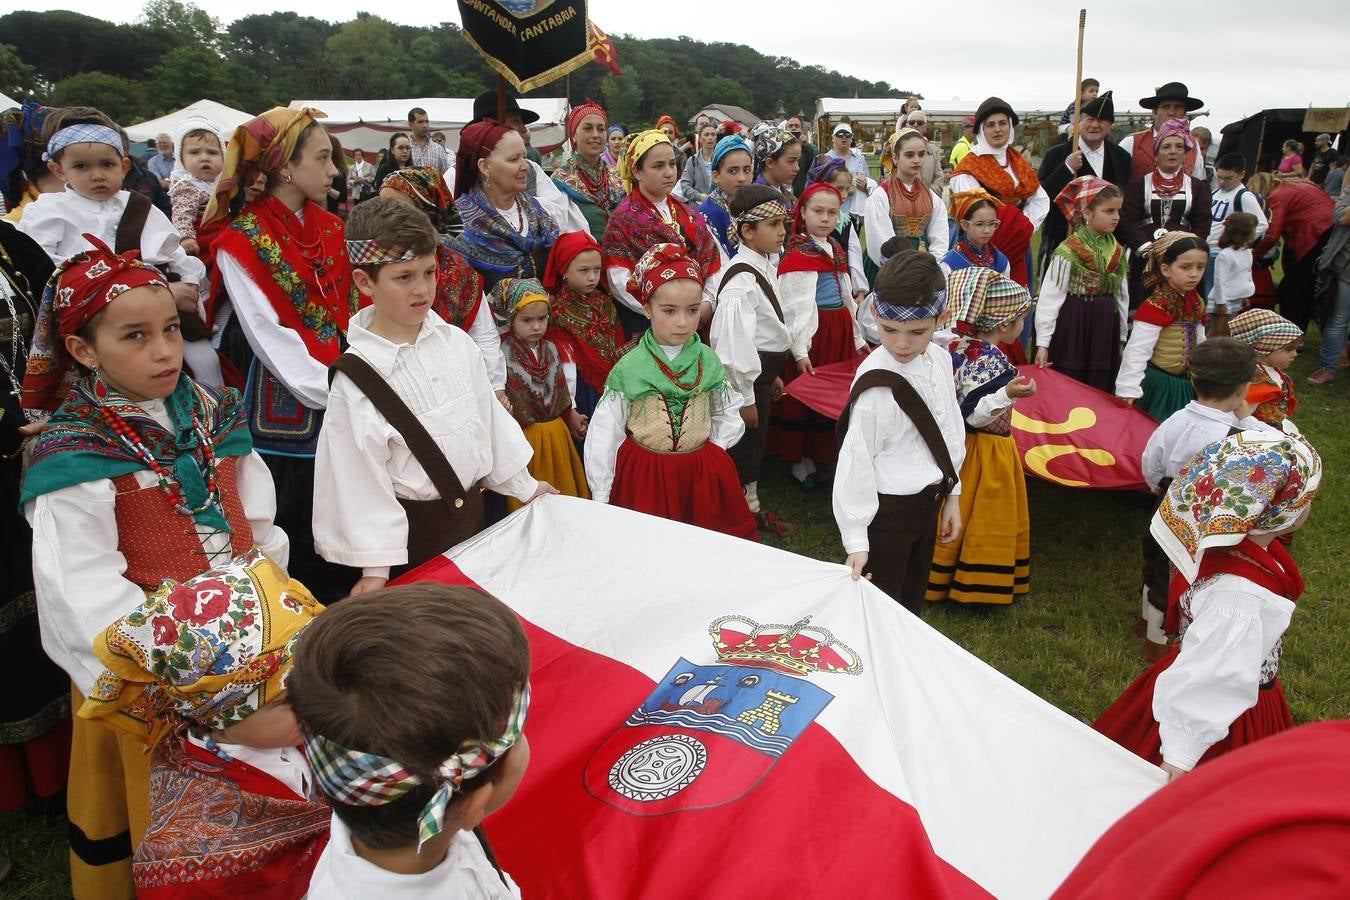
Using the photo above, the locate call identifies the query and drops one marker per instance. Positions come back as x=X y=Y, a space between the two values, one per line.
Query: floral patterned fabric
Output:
x=213 y=649
x=535 y=383
x=1255 y=482
x=981 y=369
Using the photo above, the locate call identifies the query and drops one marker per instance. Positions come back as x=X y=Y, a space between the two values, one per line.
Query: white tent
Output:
x=368 y=124
x=8 y=102
x=225 y=118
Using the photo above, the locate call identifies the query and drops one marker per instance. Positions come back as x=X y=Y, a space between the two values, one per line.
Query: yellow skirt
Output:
x=555 y=460
x=108 y=802
x=991 y=561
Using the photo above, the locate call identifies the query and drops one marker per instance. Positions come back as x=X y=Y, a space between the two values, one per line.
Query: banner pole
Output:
x=1078 y=84
x=501 y=97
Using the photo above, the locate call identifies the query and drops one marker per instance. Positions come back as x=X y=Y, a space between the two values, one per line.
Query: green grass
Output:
x=1069 y=641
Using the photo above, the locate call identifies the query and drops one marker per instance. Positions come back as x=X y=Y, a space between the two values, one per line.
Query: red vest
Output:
x=1144 y=157
x=160 y=542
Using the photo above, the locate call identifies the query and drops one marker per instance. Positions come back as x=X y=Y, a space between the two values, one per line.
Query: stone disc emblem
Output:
x=658 y=768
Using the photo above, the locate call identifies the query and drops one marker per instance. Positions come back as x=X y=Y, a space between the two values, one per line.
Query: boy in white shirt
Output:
x=413 y=426
x=1221 y=372
x=412 y=703
x=750 y=332
x=87 y=152
x=896 y=489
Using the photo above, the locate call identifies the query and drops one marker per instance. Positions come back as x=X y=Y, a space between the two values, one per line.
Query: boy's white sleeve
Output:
x=42 y=222
x=161 y=244
x=797 y=296
x=258 y=494
x=727 y=425
x=483 y=330
x=78 y=584
x=1154 y=459
x=358 y=520
x=731 y=334
x=854 y=497
x=1217 y=674
x=618 y=287
x=1054 y=290
x=280 y=349
x=604 y=434
x=1130 y=380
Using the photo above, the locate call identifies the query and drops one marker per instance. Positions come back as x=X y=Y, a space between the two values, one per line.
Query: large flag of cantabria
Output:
x=529 y=42
x=713 y=718
x=1068 y=433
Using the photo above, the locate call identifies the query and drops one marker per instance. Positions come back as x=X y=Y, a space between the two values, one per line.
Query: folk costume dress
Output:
x=512 y=243
x=596 y=190
x=990 y=562
x=585 y=329
x=226 y=820
x=1154 y=366
x=814 y=281
x=1082 y=315
x=35 y=716
x=913 y=211
x=1231 y=598
x=641 y=223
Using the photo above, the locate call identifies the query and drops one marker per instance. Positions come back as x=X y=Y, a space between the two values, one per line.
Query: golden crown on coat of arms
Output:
x=797 y=649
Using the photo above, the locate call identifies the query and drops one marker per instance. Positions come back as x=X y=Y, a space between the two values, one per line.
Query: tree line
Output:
x=176 y=53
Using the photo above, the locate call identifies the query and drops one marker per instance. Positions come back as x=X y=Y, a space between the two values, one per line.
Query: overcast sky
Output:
x=1239 y=56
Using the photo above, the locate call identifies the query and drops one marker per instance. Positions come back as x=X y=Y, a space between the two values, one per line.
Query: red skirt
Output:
x=1129 y=721
x=698 y=488
x=798 y=432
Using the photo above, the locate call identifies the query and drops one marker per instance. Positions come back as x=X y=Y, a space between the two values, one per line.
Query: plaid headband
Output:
x=354 y=778
x=82 y=134
x=769 y=209
x=371 y=253
x=892 y=313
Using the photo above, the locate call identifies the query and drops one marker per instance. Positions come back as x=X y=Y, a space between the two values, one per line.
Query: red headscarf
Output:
x=673 y=124
x=661 y=264
x=81 y=288
x=476 y=141
x=803 y=253
x=567 y=248
x=589 y=108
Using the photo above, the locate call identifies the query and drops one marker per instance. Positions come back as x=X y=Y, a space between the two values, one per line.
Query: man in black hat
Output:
x=426 y=153
x=1171 y=101
x=1094 y=155
x=485 y=107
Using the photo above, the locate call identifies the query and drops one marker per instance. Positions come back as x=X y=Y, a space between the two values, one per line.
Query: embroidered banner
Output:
x=741 y=721
x=529 y=42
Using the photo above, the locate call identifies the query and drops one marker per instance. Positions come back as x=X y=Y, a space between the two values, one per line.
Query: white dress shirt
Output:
x=464 y=874
x=78 y=582
x=1236 y=627
x=363 y=466
x=883 y=453
x=1184 y=434
x=745 y=323
x=879 y=228
x=608 y=430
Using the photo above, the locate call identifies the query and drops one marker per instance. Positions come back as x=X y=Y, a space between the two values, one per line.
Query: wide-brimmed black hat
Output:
x=1173 y=90
x=991 y=106
x=1101 y=107
x=485 y=107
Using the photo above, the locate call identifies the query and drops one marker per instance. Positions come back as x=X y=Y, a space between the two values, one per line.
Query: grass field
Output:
x=1068 y=642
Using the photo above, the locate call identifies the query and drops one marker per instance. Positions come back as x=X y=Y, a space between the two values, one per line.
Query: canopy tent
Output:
x=873 y=118
x=8 y=102
x=1259 y=137
x=368 y=124
x=227 y=118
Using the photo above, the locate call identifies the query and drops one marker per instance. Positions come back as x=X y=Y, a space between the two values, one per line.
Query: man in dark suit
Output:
x=1094 y=155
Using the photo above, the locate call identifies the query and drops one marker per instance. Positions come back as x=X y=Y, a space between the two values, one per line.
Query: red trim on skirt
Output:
x=698 y=488
x=1129 y=721
x=798 y=432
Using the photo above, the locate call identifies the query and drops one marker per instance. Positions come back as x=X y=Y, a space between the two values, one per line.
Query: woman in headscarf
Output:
x=459 y=288
x=905 y=206
x=777 y=156
x=507 y=233
x=648 y=216
x=586 y=178
x=614 y=138
x=282 y=269
x=398 y=156
x=733 y=167
x=671 y=129
x=993 y=164
x=1166 y=199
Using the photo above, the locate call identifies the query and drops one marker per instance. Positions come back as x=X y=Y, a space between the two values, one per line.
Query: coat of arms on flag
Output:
x=707 y=734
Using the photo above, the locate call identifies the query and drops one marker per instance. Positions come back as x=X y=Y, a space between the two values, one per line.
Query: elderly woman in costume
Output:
x=586 y=178
x=507 y=233
x=459 y=288
x=1166 y=199
x=993 y=164
x=1231 y=601
x=905 y=205
x=648 y=216
x=283 y=270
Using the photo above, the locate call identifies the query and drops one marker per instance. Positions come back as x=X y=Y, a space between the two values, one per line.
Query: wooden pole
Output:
x=501 y=88
x=1078 y=85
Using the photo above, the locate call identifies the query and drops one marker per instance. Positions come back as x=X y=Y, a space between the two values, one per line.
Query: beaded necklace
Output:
x=167 y=484
x=982 y=257
x=674 y=376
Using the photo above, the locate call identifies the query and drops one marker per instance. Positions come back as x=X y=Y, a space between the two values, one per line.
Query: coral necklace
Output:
x=674 y=376
x=167 y=484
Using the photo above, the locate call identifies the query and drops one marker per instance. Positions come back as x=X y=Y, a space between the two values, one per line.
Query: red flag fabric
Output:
x=602 y=48
x=1069 y=433
x=687 y=741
